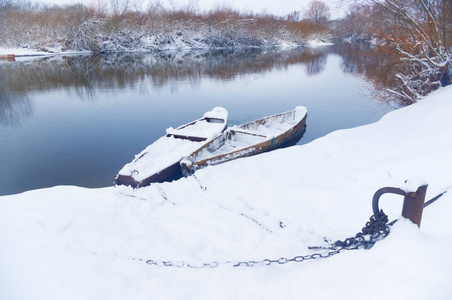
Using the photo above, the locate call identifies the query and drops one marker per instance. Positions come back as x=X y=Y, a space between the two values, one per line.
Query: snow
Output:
x=69 y=242
x=149 y=44
x=27 y=53
x=202 y=129
x=412 y=184
x=240 y=138
x=244 y=140
x=232 y=142
x=219 y=113
x=168 y=150
x=164 y=152
x=319 y=43
x=275 y=125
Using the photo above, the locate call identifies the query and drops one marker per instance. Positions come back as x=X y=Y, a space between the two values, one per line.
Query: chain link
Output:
x=375 y=230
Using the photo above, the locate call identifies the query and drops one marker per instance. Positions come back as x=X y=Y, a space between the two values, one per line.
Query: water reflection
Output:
x=87 y=75
x=377 y=69
x=14 y=106
x=78 y=119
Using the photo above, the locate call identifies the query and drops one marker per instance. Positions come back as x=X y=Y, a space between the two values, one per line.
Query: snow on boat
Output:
x=159 y=162
x=249 y=139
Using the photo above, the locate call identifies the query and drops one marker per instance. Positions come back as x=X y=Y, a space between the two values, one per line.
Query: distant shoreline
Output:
x=31 y=53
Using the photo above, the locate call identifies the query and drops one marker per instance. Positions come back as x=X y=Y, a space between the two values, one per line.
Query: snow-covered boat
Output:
x=159 y=162
x=249 y=139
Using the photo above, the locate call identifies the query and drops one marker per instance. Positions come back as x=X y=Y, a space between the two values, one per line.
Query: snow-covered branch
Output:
x=98 y=29
x=411 y=36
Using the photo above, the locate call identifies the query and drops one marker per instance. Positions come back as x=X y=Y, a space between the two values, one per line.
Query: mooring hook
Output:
x=413 y=202
x=385 y=190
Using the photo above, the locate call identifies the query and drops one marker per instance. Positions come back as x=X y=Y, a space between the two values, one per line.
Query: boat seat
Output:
x=249 y=132
x=214 y=120
x=187 y=137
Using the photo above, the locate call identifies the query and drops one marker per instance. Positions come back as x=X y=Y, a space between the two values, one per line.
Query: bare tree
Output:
x=412 y=29
x=415 y=37
x=318 y=12
x=121 y=25
x=356 y=26
x=445 y=21
x=294 y=16
x=5 y=3
x=119 y=7
x=99 y=6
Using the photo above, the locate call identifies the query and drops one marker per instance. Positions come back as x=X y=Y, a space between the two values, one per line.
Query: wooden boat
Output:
x=8 y=57
x=159 y=162
x=249 y=139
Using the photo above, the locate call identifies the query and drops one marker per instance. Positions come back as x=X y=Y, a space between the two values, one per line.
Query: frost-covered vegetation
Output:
x=110 y=27
x=414 y=40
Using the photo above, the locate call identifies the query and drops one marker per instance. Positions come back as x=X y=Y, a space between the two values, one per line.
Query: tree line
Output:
x=127 y=25
x=411 y=38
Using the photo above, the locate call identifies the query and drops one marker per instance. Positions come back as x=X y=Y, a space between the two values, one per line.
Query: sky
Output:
x=280 y=7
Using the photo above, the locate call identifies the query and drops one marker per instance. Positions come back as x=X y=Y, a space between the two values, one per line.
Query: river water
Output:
x=76 y=120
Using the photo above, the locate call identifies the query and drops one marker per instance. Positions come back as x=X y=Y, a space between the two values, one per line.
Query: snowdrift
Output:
x=68 y=242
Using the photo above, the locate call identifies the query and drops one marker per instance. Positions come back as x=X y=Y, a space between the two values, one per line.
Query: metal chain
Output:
x=375 y=230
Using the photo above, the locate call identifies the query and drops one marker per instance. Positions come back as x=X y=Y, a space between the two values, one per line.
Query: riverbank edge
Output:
x=82 y=240
x=31 y=53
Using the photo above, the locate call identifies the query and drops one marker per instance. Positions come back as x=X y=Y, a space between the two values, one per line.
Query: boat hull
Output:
x=170 y=173
x=193 y=162
x=160 y=161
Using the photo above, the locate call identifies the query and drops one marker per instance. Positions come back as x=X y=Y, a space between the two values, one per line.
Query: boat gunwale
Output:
x=192 y=137
x=262 y=146
x=130 y=180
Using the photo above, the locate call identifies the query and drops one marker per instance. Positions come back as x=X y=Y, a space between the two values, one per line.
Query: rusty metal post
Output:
x=381 y=192
x=413 y=205
x=413 y=202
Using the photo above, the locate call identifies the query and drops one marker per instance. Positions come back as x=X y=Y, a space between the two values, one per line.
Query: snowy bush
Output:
x=413 y=37
x=77 y=27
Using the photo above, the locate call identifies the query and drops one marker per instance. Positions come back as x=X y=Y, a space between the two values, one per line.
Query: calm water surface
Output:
x=77 y=120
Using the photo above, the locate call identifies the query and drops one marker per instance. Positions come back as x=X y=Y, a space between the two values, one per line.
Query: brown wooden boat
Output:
x=159 y=162
x=248 y=139
x=8 y=57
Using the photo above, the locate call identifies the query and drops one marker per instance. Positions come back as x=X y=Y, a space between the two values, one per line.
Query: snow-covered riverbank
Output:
x=74 y=243
x=153 y=45
x=77 y=28
x=27 y=52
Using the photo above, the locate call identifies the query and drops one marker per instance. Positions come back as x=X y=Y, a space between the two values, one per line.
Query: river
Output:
x=76 y=120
